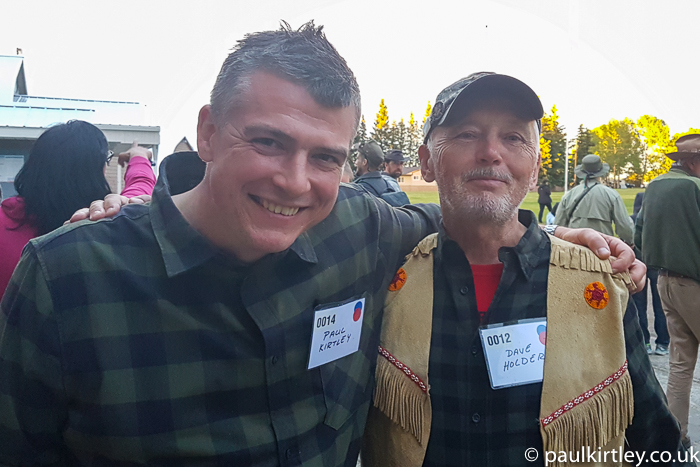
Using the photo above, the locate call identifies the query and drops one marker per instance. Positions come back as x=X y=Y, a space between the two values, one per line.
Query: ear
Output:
x=426 y=163
x=206 y=130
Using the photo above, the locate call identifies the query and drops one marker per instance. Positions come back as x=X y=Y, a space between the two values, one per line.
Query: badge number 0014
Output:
x=336 y=332
x=515 y=352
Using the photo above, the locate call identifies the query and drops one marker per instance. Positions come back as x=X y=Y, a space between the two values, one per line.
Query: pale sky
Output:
x=594 y=59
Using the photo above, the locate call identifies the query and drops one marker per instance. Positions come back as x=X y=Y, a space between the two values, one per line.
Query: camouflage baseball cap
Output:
x=372 y=151
x=479 y=84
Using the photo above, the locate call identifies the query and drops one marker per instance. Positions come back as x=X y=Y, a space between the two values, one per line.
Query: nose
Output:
x=490 y=151
x=293 y=175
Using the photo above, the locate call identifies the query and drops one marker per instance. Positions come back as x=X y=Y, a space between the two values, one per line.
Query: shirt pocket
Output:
x=346 y=381
x=345 y=387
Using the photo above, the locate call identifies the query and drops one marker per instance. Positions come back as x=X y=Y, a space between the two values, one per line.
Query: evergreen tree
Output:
x=415 y=139
x=427 y=112
x=360 y=137
x=583 y=145
x=381 y=132
x=553 y=133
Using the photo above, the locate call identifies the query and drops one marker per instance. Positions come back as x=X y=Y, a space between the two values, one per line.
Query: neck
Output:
x=482 y=240
x=196 y=207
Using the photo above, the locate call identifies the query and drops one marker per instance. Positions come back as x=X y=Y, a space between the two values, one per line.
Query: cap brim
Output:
x=678 y=155
x=499 y=85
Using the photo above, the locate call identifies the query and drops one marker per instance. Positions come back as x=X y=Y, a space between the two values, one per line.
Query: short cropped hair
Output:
x=64 y=172
x=303 y=56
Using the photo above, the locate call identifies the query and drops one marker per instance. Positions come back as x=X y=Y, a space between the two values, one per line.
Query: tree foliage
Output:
x=582 y=146
x=656 y=142
x=397 y=135
x=552 y=149
x=618 y=144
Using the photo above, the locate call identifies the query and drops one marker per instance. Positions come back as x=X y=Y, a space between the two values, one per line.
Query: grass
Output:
x=530 y=201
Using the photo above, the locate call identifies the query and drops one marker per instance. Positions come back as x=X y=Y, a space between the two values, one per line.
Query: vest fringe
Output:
x=398 y=397
x=576 y=257
x=594 y=423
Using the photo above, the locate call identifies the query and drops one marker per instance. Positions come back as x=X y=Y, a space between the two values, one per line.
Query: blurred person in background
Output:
x=65 y=171
x=594 y=205
x=640 y=299
x=545 y=198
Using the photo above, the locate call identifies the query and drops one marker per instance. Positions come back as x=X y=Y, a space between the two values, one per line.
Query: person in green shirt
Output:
x=594 y=205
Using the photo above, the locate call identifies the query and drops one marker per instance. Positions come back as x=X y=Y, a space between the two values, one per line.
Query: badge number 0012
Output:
x=336 y=332
x=515 y=352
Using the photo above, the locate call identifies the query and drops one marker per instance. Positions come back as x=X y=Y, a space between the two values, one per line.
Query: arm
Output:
x=653 y=428
x=139 y=178
x=32 y=400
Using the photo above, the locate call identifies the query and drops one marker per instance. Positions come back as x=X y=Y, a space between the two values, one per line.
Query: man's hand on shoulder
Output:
x=109 y=207
x=605 y=245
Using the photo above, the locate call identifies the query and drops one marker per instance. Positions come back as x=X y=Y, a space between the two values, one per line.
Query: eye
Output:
x=515 y=138
x=467 y=135
x=267 y=143
x=329 y=159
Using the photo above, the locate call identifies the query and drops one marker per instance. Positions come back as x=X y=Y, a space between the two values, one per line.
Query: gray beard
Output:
x=484 y=207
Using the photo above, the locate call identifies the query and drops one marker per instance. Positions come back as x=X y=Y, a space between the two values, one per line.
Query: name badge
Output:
x=336 y=332
x=515 y=353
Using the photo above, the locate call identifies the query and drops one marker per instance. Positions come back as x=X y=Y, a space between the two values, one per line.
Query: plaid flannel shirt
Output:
x=475 y=425
x=134 y=340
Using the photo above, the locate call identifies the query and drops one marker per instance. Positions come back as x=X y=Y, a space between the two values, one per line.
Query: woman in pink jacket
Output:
x=65 y=171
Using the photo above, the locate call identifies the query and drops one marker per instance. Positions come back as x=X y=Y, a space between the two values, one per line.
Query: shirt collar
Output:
x=183 y=248
x=531 y=251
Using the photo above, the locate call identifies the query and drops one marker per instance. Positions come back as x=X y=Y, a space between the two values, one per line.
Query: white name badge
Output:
x=336 y=332
x=515 y=353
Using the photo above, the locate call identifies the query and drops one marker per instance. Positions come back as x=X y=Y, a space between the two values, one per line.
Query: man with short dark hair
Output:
x=462 y=377
x=394 y=161
x=233 y=324
x=668 y=233
x=370 y=159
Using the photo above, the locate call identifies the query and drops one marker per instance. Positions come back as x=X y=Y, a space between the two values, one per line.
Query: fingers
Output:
x=96 y=210
x=79 y=215
x=140 y=199
x=588 y=238
x=638 y=272
x=112 y=204
x=624 y=256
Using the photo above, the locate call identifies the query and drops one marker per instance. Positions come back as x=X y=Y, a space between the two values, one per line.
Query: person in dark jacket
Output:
x=545 y=198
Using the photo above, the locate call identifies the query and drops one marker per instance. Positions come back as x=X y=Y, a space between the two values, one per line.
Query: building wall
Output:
x=413 y=181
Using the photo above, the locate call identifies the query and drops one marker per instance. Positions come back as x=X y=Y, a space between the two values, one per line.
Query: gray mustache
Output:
x=487 y=172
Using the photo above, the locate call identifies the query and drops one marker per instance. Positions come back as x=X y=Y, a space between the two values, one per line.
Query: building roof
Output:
x=409 y=170
x=19 y=109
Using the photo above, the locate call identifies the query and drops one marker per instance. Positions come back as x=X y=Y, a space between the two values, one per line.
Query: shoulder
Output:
x=117 y=229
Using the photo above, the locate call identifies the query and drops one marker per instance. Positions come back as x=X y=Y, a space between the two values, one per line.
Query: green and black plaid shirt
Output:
x=133 y=340
x=474 y=425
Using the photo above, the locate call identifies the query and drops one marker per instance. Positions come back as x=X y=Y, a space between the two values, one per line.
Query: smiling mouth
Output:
x=276 y=208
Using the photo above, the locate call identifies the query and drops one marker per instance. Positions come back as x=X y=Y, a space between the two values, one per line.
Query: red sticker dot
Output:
x=357 y=314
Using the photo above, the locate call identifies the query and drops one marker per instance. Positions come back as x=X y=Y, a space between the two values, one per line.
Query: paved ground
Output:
x=660 y=365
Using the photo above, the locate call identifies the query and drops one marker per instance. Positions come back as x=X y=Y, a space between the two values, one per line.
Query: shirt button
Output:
x=274 y=359
x=476 y=418
x=475 y=350
x=464 y=290
x=291 y=453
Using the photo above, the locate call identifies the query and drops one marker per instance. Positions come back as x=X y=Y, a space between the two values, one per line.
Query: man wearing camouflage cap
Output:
x=459 y=378
x=668 y=233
